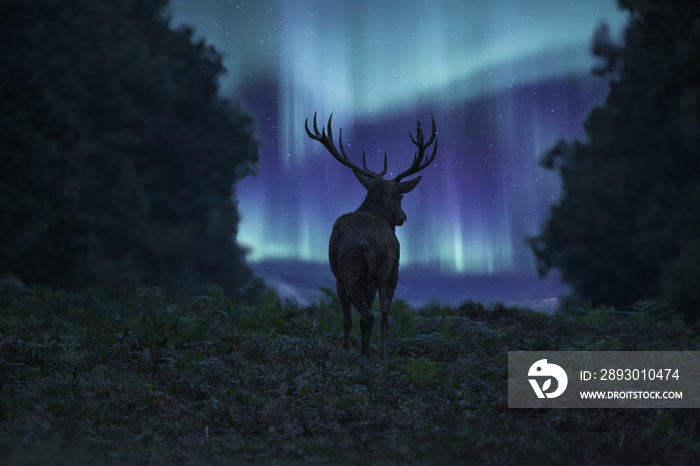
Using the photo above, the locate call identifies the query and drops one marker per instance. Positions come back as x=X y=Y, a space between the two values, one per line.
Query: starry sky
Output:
x=504 y=79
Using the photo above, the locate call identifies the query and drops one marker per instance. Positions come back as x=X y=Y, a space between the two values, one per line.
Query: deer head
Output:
x=383 y=196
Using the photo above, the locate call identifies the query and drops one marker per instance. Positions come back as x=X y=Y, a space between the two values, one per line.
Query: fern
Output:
x=421 y=370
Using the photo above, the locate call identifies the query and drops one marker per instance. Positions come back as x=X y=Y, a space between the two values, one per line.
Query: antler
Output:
x=418 y=163
x=341 y=157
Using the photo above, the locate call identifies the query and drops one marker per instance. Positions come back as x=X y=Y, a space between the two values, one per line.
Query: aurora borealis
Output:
x=505 y=79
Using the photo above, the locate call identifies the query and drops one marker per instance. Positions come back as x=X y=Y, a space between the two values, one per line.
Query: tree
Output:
x=627 y=217
x=149 y=152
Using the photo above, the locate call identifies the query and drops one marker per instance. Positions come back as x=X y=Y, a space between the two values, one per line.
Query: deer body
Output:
x=364 y=257
x=363 y=250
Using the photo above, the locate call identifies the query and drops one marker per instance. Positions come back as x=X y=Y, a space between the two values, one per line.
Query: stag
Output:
x=363 y=250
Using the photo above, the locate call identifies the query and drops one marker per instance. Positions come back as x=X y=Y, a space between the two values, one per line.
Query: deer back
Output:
x=363 y=245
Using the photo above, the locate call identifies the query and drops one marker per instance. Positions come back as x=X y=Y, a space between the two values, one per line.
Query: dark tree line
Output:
x=117 y=156
x=627 y=226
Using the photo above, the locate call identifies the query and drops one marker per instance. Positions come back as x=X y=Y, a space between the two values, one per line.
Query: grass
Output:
x=155 y=379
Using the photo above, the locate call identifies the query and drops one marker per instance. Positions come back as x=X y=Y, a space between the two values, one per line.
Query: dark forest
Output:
x=119 y=158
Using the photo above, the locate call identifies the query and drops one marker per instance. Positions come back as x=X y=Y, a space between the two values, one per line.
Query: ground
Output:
x=153 y=378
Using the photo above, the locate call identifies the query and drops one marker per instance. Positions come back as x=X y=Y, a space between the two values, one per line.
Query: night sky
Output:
x=505 y=79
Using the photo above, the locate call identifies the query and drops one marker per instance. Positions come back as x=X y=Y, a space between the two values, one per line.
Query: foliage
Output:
x=626 y=227
x=421 y=370
x=269 y=316
x=118 y=156
x=162 y=378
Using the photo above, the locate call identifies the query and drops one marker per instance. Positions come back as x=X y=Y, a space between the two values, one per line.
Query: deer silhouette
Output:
x=363 y=250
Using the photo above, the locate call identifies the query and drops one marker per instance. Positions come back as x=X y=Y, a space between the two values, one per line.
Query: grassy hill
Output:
x=156 y=378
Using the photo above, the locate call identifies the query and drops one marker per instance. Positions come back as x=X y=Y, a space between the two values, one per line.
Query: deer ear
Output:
x=365 y=180
x=407 y=186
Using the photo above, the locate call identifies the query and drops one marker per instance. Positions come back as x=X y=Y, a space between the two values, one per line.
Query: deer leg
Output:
x=385 y=297
x=369 y=298
x=366 y=326
x=347 y=314
x=366 y=321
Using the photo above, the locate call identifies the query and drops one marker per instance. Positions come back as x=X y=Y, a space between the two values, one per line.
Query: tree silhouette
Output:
x=627 y=227
x=119 y=157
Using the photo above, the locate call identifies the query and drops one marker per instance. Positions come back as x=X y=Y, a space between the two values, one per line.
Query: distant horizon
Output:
x=419 y=285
